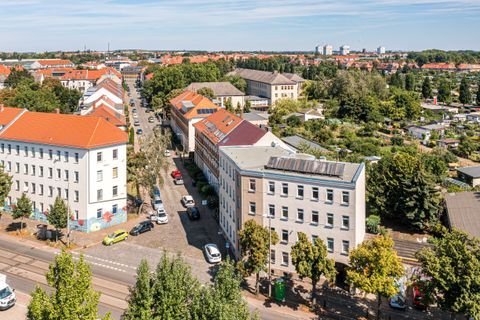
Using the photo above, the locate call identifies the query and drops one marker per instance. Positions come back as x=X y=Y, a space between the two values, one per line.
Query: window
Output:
x=271 y=187
x=115 y=208
x=285 y=189
x=300 y=192
x=33 y=188
x=50 y=173
x=99 y=194
x=9 y=147
x=99 y=213
x=65 y=175
x=59 y=192
x=76 y=215
x=59 y=155
x=25 y=151
x=253 y=208
x=285 y=236
x=345 y=247
x=115 y=172
x=285 y=259
x=76 y=157
x=41 y=190
x=115 y=191
x=330 y=245
x=329 y=223
x=115 y=154
x=59 y=174
x=76 y=175
x=285 y=213
x=33 y=152
x=345 y=197
x=50 y=154
x=66 y=194
x=40 y=151
x=2 y=147
x=99 y=157
x=329 y=195
x=17 y=149
x=300 y=215
x=315 y=193
x=345 y=222
x=271 y=210
x=25 y=186
x=314 y=238
x=33 y=170
x=76 y=196
x=17 y=167
x=99 y=175
x=25 y=168
x=50 y=191
x=252 y=185
x=9 y=166
x=41 y=206
x=272 y=256
x=66 y=155
x=17 y=185
x=315 y=217
x=41 y=171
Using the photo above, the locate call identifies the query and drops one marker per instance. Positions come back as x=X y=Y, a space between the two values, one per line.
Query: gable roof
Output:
x=273 y=78
x=218 y=88
x=193 y=105
x=64 y=130
x=463 y=211
x=7 y=114
x=54 y=62
x=218 y=125
x=109 y=115
x=294 y=77
x=243 y=134
x=297 y=142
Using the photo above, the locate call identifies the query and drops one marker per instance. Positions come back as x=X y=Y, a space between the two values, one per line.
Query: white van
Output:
x=7 y=294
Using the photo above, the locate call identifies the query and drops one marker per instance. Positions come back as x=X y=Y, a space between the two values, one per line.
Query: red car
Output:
x=417 y=297
x=176 y=174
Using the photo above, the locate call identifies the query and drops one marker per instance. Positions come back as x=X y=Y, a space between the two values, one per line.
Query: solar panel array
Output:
x=206 y=111
x=333 y=169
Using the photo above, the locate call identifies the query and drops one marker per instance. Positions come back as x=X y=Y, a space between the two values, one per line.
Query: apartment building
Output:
x=223 y=92
x=187 y=109
x=81 y=159
x=270 y=85
x=292 y=193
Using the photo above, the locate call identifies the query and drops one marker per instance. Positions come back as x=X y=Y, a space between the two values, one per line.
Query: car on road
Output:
x=7 y=294
x=166 y=153
x=188 y=201
x=139 y=131
x=142 y=227
x=134 y=110
x=162 y=216
x=151 y=119
x=212 y=253
x=148 y=110
x=157 y=203
x=135 y=115
x=136 y=123
x=178 y=180
x=156 y=191
x=193 y=213
x=176 y=173
x=115 y=237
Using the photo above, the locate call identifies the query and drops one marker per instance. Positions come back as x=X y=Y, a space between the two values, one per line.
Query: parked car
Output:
x=212 y=253
x=134 y=110
x=142 y=227
x=139 y=131
x=188 y=201
x=176 y=173
x=157 y=203
x=135 y=115
x=151 y=119
x=115 y=237
x=398 y=301
x=193 y=213
x=166 y=153
x=178 y=180
x=417 y=298
x=162 y=216
x=7 y=294
x=156 y=191
x=136 y=123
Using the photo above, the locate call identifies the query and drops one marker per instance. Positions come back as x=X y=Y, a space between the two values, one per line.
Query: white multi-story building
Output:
x=381 y=50
x=345 y=50
x=292 y=193
x=327 y=50
x=80 y=159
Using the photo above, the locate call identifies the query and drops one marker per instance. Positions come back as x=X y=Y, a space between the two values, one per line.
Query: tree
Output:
x=72 y=296
x=375 y=268
x=427 y=88
x=228 y=105
x=452 y=266
x=237 y=81
x=23 y=209
x=254 y=242
x=16 y=76
x=410 y=82
x=396 y=80
x=310 y=261
x=5 y=185
x=238 y=109
x=248 y=106
x=141 y=296
x=207 y=92
x=58 y=215
x=444 y=91
x=465 y=94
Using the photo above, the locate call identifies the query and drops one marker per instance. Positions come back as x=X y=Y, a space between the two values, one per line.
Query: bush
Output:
x=373 y=223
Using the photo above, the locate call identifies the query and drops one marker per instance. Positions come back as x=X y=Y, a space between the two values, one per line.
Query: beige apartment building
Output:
x=270 y=85
x=292 y=193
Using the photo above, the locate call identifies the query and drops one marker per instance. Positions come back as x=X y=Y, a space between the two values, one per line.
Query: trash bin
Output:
x=279 y=290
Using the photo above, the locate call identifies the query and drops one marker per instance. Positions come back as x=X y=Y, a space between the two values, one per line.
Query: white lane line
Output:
x=87 y=256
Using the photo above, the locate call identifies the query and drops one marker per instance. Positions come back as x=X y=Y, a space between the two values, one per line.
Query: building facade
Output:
x=80 y=159
x=327 y=50
x=265 y=184
x=223 y=91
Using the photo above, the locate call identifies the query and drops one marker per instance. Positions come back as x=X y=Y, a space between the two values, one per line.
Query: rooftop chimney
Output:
x=57 y=110
x=1 y=107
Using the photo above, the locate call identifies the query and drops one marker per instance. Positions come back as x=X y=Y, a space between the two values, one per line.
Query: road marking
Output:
x=87 y=256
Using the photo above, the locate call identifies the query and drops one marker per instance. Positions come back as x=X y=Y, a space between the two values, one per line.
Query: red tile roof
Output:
x=199 y=102
x=54 y=62
x=64 y=130
x=439 y=66
x=4 y=70
x=109 y=115
x=89 y=74
x=7 y=114
x=218 y=125
x=244 y=134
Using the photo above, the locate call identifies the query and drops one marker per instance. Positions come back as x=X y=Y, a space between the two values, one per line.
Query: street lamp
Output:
x=269 y=217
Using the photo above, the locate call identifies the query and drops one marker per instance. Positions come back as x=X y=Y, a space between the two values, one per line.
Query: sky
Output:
x=215 y=25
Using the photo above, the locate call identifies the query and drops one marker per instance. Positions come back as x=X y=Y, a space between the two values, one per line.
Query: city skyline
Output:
x=216 y=25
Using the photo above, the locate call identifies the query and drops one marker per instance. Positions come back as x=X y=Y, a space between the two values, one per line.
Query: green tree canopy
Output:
x=452 y=266
x=58 y=214
x=5 y=185
x=254 y=242
x=465 y=94
x=140 y=301
x=375 y=268
x=410 y=82
x=427 y=88
x=72 y=295
x=445 y=91
x=23 y=209
x=207 y=92
x=17 y=76
x=311 y=261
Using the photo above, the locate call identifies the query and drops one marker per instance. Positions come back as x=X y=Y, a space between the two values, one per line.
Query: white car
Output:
x=212 y=253
x=162 y=216
x=166 y=153
x=188 y=201
x=7 y=294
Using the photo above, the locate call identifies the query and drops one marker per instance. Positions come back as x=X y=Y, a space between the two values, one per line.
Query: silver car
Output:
x=162 y=216
x=212 y=253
